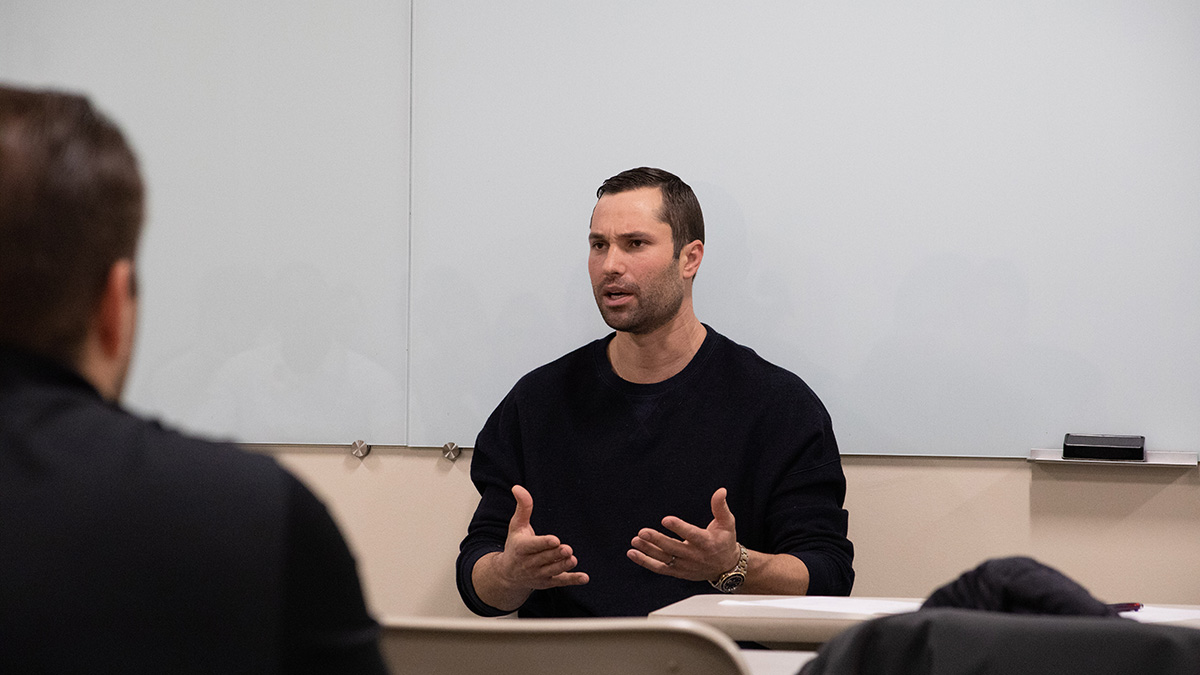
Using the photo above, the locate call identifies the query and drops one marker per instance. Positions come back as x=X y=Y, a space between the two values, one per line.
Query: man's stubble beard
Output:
x=654 y=308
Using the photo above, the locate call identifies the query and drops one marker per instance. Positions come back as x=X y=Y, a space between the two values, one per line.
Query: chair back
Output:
x=451 y=646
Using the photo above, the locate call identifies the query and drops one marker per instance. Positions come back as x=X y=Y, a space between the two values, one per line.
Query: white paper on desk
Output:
x=835 y=605
x=1152 y=614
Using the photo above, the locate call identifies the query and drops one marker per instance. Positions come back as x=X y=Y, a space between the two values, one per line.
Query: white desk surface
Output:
x=812 y=621
x=776 y=661
x=742 y=618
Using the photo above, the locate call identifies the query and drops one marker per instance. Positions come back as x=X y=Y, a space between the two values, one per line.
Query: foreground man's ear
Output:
x=108 y=346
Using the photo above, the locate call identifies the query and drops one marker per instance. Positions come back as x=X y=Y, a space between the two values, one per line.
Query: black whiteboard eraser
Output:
x=1086 y=446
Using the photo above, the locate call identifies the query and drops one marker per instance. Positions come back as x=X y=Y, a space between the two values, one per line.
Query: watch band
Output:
x=734 y=578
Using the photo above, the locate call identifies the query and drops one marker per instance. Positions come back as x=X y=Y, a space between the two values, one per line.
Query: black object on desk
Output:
x=1083 y=446
x=950 y=641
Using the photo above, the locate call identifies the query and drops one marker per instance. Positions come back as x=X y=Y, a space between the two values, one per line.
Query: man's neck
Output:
x=658 y=355
x=104 y=373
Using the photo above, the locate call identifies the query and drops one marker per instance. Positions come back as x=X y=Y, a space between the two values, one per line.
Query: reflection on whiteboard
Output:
x=292 y=377
x=302 y=382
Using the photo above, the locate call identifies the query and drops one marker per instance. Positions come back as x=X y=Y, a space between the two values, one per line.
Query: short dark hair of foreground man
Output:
x=660 y=461
x=125 y=547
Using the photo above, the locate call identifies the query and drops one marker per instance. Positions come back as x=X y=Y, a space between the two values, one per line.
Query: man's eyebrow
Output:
x=623 y=235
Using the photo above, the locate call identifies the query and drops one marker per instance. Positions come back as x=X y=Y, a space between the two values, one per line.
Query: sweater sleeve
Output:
x=495 y=468
x=807 y=518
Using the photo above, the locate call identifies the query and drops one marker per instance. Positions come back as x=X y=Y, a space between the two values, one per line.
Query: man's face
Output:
x=635 y=275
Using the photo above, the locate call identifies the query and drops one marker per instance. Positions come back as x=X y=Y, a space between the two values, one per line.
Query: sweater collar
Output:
x=20 y=366
x=605 y=370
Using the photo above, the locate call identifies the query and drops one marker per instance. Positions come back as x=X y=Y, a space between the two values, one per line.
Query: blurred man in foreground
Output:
x=126 y=547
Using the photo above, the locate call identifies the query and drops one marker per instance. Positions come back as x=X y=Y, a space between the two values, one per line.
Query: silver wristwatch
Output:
x=731 y=580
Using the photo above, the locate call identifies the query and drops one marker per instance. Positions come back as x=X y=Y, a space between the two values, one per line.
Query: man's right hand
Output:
x=528 y=562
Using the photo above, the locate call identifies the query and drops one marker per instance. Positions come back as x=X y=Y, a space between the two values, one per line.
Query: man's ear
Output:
x=116 y=314
x=689 y=258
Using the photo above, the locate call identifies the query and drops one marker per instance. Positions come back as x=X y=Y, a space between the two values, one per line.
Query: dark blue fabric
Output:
x=947 y=641
x=126 y=547
x=1018 y=585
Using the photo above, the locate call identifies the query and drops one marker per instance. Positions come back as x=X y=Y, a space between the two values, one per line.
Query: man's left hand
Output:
x=699 y=554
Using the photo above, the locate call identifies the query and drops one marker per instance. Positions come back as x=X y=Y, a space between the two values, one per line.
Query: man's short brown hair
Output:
x=680 y=208
x=71 y=205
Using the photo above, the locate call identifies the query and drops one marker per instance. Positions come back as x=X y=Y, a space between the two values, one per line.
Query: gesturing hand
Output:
x=700 y=554
x=533 y=562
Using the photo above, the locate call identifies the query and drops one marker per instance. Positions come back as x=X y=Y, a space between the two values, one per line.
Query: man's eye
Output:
x=637 y=243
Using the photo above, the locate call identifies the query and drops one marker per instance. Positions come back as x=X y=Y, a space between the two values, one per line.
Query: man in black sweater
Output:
x=125 y=547
x=642 y=447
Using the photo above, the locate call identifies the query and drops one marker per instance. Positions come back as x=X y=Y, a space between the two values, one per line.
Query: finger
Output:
x=656 y=566
x=684 y=529
x=524 y=510
x=534 y=570
x=568 y=579
x=670 y=545
x=720 y=509
x=556 y=561
x=661 y=548
x=558 y=573
x=528 y=546
x=553 y=566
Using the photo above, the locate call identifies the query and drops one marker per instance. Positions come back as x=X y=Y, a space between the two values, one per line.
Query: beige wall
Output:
x=1128 y=533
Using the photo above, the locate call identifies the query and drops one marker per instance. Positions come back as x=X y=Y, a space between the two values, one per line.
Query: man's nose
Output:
x=614 y=261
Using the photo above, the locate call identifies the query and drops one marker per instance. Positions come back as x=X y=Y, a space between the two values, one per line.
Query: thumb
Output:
x=720 y=509
x=524 y=508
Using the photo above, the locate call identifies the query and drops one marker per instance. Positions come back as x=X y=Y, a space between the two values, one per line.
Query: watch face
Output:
x=731 y=582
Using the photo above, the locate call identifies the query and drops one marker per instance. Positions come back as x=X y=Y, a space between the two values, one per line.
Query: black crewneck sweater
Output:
x=603 y=458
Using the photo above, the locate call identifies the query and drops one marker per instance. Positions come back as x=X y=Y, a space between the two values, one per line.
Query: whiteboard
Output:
x=970 y=227
x=274 y=140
